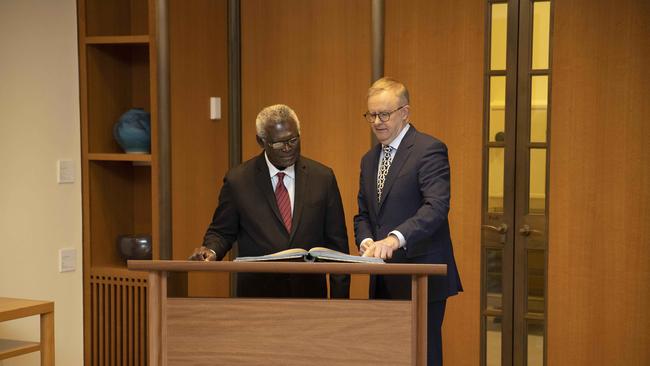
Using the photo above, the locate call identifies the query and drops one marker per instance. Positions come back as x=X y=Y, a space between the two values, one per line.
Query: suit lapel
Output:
x=302 y=176
x=401 y=156
x=263 y=182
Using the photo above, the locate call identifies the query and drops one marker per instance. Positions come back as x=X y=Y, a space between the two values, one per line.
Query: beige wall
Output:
x=39 y=123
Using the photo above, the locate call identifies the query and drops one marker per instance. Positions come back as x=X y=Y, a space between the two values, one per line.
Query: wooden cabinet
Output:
x=118 y=71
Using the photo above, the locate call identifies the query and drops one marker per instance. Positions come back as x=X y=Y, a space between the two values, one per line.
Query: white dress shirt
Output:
x=395 y=145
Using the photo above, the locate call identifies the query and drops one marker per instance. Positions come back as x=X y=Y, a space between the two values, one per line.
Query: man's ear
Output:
x=407 y=112
x=259 y=141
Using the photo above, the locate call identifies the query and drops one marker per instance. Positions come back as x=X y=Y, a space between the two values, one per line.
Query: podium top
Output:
x=289 y=267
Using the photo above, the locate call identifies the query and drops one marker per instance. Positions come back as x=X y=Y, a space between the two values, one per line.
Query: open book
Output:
x=312 y=255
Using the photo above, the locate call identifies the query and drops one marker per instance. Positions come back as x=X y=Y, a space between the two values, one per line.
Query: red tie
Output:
x=284 y=203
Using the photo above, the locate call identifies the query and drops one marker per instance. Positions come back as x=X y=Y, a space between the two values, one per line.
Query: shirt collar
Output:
x=398 y=140
x=273 y=171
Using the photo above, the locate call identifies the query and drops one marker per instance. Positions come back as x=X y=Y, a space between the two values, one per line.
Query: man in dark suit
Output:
x=278 y=200
x=403 y=205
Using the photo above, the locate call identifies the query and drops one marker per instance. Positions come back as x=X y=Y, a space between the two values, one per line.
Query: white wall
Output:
x=39 y=123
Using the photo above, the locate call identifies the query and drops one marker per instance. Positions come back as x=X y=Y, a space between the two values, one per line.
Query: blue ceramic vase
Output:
x=133 y=131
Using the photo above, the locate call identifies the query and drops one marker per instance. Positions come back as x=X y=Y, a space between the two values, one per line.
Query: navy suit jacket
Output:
x=415 y=202
x=248 y=213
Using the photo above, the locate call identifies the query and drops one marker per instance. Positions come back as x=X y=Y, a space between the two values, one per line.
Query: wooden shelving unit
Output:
x=12 y=348
x=117 y=72
x=11 y=309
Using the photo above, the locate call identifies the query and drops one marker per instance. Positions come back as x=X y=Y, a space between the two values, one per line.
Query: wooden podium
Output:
x=256 y=331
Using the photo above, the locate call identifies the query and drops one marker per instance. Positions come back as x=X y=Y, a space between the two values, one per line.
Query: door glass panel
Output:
x=535 y=340
x=495 y=180
x=536 y=272
x=494 y=267
x=541 y=26
x=497 y=108
x=538 y=107
x=537 y=192
x=498 y=36
x=493 y=340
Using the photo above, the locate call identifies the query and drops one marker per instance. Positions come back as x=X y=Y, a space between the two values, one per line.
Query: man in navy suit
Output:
x=275 y=201
x=403 y=205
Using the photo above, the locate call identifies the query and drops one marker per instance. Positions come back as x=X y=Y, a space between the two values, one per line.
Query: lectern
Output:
x=250 y=331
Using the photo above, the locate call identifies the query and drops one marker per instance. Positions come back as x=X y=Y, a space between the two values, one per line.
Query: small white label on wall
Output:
x=65 y=171
x=215 y=108
x=67 y=260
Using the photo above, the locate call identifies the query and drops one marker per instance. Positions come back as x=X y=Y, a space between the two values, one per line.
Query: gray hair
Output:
x=274 y=114
x=387 y=83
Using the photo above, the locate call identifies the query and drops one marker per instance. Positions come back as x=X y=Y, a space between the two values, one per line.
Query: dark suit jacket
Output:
x=248 y=213
x=415 y=202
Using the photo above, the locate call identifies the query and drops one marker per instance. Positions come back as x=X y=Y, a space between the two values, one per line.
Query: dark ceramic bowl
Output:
x=134 y=246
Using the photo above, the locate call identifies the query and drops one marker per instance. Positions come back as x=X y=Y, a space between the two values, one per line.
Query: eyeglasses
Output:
x=291 y=143
x=383 y=116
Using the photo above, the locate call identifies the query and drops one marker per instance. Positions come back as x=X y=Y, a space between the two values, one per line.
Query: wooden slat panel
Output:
x=91 y=345
x=142 y=339
x=100 y=336
x=113 y=324
x=436 y=49
x=599 y=239
x=130 y=348
x=315 y=57
x=117 y=318
x=124 y=323
x=283 y=332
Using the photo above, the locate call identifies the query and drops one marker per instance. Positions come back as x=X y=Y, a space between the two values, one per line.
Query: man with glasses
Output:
x=403 y=204
x=278 y=200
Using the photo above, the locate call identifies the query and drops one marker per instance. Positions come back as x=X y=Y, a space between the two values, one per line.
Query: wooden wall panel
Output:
x=288 y=332
x=599 y=244
x=436 y=48
x=315 y=57
x=198 y=61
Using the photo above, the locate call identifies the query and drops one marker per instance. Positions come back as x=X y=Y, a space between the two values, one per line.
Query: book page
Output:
x=294 y=253
x=326 y=254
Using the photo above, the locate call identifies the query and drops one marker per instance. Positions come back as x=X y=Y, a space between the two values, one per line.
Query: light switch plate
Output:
x=65 y=171
x=67 y=260
x=215 y=108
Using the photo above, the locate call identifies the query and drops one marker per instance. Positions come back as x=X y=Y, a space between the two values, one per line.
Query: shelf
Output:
x=10 y=348
x=120 y=204
x=118 y=79
x=116 y=17
x=141 y=39
x=119 y=157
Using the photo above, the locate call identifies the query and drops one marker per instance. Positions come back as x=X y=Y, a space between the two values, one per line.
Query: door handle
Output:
x=501 y=229
x=526 y=230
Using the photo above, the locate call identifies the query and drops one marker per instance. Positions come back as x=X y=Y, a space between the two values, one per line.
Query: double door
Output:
x=515 y=205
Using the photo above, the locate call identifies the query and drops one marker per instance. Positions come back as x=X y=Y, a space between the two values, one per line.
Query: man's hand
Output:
x=383 y=248
x=367 y=243
x=203 y=254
